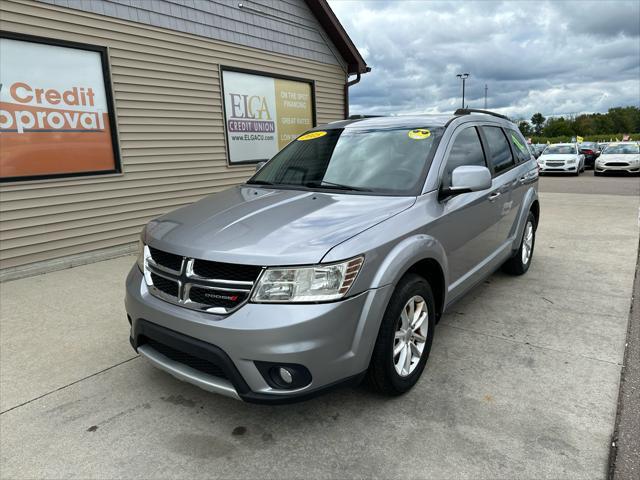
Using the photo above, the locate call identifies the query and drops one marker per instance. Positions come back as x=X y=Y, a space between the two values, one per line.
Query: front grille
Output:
x=214 y=287
x=555 y=164
x=165 y=259
x=165 y=285
x=196 y=363
x=216 y=298
x=226 y=271
x=617 y=164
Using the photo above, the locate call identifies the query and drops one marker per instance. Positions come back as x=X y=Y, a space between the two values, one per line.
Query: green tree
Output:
x=538 y=123
x=525 y=128
x=556 y=127
x=584 y=125
x=623 y=118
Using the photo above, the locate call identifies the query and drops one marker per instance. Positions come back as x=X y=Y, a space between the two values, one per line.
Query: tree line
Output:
x=616 y=121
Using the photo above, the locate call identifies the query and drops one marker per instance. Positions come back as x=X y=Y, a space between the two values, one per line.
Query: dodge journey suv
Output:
x=337 y=258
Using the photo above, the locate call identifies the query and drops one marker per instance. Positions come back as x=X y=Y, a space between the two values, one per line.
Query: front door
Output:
x=467 y=222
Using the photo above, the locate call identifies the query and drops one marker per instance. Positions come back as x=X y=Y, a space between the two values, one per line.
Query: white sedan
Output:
x=561 y=158
x=619 y=157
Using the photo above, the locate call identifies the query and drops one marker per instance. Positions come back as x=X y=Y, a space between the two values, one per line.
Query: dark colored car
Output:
x=590 y=150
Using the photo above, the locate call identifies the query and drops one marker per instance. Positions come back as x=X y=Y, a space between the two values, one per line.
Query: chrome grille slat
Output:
x=186 y=279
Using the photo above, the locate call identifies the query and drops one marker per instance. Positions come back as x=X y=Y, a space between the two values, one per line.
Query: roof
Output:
x=410 y=121
x=338 y=35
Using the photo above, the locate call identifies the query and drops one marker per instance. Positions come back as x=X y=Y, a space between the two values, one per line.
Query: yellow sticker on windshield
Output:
x=311 y=136
x=419 y=134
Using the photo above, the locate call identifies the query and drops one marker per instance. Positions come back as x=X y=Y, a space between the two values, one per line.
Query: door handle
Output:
x=494 y=195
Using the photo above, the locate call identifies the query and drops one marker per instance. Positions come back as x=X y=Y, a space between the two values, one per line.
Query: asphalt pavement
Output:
x=522 y=381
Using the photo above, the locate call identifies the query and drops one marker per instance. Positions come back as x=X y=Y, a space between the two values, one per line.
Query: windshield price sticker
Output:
x=311 y=136
x=419 y=134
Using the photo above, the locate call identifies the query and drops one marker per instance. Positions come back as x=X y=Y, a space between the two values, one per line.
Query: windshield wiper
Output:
x=260 y=182
x=337 y=186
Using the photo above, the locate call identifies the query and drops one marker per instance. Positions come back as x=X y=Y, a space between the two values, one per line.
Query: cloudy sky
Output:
x=559 y=57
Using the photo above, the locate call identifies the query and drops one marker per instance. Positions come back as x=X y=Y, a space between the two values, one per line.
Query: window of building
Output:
x=56 y=110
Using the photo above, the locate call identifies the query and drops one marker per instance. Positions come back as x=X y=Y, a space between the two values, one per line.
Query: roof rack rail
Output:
x=468 y=111
x=356 y=117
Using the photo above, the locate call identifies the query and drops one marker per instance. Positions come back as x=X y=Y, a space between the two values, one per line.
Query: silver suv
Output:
x=337 y=258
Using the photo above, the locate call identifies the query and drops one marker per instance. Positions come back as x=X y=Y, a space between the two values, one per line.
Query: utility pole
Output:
x=486 y=87
x=463 y=77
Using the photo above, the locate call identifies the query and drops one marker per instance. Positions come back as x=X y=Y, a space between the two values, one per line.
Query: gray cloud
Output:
x=559 y=58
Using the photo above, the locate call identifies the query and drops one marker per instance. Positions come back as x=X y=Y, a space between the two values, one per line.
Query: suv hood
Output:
x=262 y=226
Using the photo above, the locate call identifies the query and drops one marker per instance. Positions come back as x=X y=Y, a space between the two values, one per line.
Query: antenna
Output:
x=486 y=87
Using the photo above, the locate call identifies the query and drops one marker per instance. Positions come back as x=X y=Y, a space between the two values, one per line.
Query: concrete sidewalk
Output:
x=522 y=381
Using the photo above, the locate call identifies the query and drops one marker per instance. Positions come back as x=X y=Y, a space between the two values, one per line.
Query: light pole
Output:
x=463 y=77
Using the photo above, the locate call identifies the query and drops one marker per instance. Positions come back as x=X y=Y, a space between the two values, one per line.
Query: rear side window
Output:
x=501 y=158
x=466 y=150
x=519 y=146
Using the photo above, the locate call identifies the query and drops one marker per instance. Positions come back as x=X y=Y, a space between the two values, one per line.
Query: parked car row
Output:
x=573 y=158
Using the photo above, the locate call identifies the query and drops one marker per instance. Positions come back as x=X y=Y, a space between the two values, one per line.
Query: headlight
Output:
x=571 y=161
x=315 y=283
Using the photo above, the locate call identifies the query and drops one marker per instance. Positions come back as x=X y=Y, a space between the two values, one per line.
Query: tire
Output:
x=516 y=265
x=383 y=375
x=577 y=172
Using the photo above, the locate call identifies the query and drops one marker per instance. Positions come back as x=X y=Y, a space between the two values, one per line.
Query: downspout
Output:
x=346 y=90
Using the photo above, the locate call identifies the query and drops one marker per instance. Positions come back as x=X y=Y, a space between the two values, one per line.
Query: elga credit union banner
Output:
x=263 y=114
x=54 y=117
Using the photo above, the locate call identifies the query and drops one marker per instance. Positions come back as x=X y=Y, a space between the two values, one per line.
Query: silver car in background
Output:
x=619 y=157
x=561 y=158
x=337 y=258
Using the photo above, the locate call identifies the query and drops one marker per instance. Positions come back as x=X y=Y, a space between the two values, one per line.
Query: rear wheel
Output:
x=404 y=340
x=521 y=260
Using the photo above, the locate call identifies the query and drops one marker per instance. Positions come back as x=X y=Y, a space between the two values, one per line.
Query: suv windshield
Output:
x=388 y=161
x=560 y=150
x=629 y=148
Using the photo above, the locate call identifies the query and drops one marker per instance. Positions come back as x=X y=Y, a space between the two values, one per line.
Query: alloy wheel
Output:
x=527 y=243
x=410 y=336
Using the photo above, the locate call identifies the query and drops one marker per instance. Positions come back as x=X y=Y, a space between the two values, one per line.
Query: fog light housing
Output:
x=284 y=376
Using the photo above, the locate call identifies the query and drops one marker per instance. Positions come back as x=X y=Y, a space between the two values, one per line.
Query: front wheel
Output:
x=519 y=263
x=405 y=337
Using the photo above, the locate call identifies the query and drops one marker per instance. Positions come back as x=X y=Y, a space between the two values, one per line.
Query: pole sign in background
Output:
x=55 y=116
x=263 y=114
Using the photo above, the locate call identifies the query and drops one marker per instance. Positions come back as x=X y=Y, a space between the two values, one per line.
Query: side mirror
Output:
x=469 y=178
x=259 y=165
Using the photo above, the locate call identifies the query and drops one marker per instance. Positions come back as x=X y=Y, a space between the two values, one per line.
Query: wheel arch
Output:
x=431 y=271
x=535 y=209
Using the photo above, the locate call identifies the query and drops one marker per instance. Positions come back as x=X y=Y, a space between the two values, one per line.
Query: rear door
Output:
x=523 y=166
x=505 y=180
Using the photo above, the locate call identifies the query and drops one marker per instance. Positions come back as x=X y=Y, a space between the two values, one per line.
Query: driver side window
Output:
x=466 y=150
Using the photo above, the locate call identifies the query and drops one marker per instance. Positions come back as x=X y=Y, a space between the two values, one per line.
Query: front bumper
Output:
x=565 y=168
x=333 y=341
x=628 y=167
